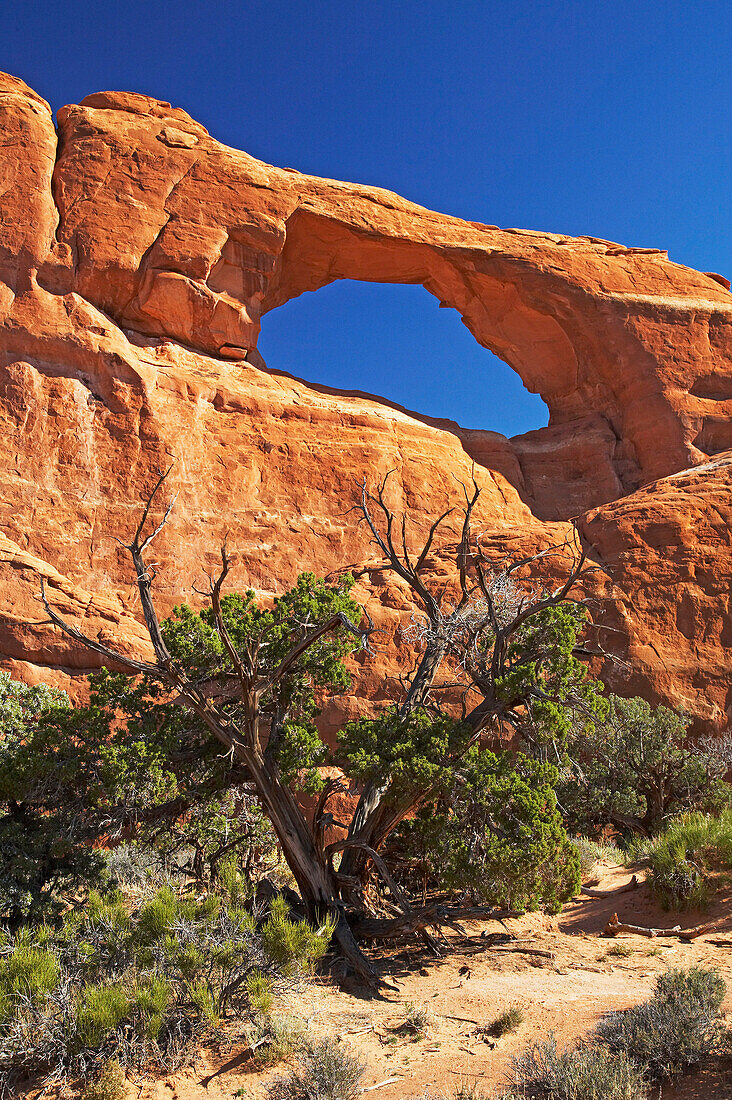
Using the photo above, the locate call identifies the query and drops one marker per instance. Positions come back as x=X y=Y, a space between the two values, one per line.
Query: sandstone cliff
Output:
x=137 y=257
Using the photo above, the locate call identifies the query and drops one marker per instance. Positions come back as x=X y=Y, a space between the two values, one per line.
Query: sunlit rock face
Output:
x=137 y=257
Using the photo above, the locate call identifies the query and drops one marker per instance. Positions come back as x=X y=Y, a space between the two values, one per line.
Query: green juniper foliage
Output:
x=248 y=676
x=266 y=635
x=70 y=775
x=487 y=822
x=635 y=770
x=47 y=771
x=543 y=670
x=494 y=832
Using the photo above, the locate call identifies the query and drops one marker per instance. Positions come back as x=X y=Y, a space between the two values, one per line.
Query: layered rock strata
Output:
x=137 y=258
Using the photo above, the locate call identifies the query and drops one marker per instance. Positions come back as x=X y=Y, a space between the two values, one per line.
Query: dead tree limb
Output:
x=615 y=926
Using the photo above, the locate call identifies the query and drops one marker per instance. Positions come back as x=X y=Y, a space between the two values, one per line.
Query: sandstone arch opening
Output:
x=393 y=341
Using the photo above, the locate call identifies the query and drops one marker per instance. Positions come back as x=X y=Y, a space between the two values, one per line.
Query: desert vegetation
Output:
x=156 y=890
x=138 y=984
x=245 y=676
x=685 y=856
x=628 y=1054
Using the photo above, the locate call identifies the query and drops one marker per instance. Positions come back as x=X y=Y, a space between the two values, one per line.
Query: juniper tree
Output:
x=637 y=767
x=40 y=834
x=73 y=775
x=245 y=677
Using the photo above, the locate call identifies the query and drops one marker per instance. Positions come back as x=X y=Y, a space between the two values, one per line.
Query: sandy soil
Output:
x=472 y=983
x=576 y=976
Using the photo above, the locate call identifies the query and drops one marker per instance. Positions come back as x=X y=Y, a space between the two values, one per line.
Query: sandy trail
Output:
x=472 y=983
x=567 y=993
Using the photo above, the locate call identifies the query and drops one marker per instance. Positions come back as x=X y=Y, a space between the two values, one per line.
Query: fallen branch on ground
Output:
x=427 y=916
x=615 y=926
x=381 y=1084
x=524 y=951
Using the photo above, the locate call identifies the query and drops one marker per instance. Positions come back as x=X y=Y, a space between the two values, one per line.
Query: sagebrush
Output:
x=134 y=982
x=676 y=1029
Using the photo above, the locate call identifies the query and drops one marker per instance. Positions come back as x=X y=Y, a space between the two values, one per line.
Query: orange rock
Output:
x=137 y=256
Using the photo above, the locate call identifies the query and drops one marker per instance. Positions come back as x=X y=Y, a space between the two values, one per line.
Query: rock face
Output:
x=137 y=257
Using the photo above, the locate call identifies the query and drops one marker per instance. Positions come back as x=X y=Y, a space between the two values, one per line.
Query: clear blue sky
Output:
x=587 y=117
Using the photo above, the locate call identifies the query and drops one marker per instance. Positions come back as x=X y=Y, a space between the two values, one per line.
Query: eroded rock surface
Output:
x=137 y=257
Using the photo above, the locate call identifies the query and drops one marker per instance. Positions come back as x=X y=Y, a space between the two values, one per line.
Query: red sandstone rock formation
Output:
x=137 y=256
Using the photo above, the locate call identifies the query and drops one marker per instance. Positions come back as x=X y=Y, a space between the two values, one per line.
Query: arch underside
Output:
x=580 y=460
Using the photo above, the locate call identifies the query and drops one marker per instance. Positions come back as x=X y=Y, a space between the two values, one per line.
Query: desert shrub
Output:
x=129 y=982
x=697 y=983
x=275 y=1038
x=141 y=867
x=471 y=1092
x=678 y=882
x=41 y=853
x=635 y=770
x=681 y=858
x=417 y=1020
x=28 y=973
x=586 y=1072
x=259 y=991
x=70 y=774
x=591 y=852
x=507 y=1021
x=99 y=1010
x=673 y=1031
x=326 y=1072
x=110 y=1083
x=619 y=951
x=289 y=943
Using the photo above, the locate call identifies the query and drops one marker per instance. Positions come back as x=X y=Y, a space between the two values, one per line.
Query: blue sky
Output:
x=610 y=119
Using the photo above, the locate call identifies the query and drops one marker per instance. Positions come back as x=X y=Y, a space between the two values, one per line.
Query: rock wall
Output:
x=137 y=257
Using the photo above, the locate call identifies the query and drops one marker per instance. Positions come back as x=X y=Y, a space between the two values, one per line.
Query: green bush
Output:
x=99 y=1010
x=44 y=783
x=139 y=981
x=326 y=1072
x=290 y=944
x=706 y=986
x=673 y=1031
x=29 y=972
x=417 y=1020
x=635 y=770
x=507 y=1021
x=591 y=852
x=69 y=775
x=682 y=857
x=586 y=1072
x=495 y=834
x=150 y=1005
x=276 y=1038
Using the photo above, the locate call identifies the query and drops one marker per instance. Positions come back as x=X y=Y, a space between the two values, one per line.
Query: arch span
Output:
x=178 y=236
x=136 y=257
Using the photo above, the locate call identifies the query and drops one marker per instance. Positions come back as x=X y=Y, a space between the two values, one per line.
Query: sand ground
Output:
x=465 y=989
